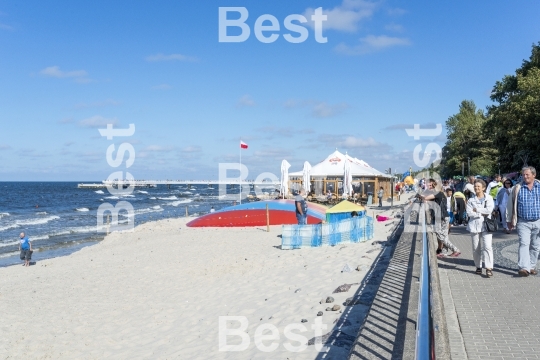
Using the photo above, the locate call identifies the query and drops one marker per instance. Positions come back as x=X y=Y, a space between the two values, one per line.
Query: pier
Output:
x=168 y=183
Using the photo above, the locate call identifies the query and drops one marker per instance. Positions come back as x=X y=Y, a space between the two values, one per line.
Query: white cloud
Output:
x=191 y=149
x=4 y=147
x=68 y=120
x=79 y=76
x=324 y=110
x=6 y=27
x=319 y=109
x=108 y=102
x=396 y=12
x=171 y=57
x=162 y=87
x=345 y=17
x=354 y=142
x=97 y=121
x=394 y=27
x=245 y=101
x=54 y=71
x=372 y=43
x=158 y=148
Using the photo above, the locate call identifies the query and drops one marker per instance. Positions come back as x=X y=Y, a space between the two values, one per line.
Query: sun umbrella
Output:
x=305 y=180
x=284 y=188
x=347 y=178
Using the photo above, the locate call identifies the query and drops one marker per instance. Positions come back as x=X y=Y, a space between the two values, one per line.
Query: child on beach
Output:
x=25 y=247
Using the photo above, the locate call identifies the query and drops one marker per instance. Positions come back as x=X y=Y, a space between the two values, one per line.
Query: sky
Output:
x=68 y=68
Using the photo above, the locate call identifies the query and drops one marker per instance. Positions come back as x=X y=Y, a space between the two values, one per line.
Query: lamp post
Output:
x=468 y=166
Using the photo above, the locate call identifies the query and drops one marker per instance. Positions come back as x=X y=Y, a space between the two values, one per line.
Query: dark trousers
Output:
x=380 y=202
x=460 y=207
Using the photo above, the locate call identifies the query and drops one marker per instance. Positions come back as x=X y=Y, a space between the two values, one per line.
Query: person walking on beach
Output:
x=502 y=202
x=480 y=206
x=433 y=194
x=25 y=247
x=301 y=207
x=380 y=195
x=523 y=213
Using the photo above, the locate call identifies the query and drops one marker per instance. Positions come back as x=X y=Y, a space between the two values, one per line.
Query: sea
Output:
x=60 y=218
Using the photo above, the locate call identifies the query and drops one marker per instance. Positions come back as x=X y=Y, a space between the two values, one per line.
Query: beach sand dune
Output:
x=160 y=291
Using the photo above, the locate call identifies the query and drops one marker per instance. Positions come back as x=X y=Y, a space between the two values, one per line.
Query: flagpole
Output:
x=240 y=190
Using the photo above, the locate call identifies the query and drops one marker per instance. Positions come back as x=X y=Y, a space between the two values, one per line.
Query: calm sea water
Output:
x=59 y=218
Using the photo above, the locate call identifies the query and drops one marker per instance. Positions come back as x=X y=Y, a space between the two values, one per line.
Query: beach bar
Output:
x=328 y=175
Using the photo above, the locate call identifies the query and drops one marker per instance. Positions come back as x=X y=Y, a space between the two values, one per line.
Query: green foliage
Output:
x=467 y=139
x=515 y=120
x=509 y=134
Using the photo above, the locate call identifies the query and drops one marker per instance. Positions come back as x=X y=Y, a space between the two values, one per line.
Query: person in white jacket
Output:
x=479 y=206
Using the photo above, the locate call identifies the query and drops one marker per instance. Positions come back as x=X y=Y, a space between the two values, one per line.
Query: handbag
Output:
x=491 y=224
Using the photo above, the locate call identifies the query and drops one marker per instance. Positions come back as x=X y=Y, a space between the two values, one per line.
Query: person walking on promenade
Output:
x=380 y=195
x=494 y=186
x=523 y=213
x=460 y=202
x=301 y=207
x=480 y=206
x=450 y=206
x=433 y=194
x=502 y=201
x=468 y=190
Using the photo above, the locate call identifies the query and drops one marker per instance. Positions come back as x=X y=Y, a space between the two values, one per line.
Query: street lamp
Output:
x=468 y=166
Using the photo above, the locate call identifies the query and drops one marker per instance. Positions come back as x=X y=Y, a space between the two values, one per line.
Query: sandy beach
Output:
x=159 y=292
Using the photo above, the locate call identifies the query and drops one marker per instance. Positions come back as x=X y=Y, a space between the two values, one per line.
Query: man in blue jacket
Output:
x=25 y=247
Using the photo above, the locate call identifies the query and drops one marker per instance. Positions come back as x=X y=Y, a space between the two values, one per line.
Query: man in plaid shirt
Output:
x=523 y=213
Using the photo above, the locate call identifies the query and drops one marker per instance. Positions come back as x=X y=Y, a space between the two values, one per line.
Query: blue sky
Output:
x=67 y=68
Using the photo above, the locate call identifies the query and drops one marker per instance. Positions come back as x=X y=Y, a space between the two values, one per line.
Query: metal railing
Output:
x=424 y=346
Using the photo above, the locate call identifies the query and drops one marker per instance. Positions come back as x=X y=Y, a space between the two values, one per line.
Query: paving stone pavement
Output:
x=490 y=318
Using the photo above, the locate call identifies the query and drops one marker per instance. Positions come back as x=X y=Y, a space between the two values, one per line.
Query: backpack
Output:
x=444 y=208
x=494 y=190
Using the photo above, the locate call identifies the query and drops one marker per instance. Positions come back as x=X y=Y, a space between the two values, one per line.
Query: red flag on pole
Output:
x=243 y=145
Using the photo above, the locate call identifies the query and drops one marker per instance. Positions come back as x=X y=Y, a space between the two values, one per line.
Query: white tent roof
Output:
x=334 y=165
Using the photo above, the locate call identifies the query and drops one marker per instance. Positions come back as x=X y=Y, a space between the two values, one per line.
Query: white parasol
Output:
x=305 y=179
x=284 y=188
x=347 y=178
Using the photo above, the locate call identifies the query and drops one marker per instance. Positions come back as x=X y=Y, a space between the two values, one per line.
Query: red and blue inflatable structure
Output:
x=281 y=212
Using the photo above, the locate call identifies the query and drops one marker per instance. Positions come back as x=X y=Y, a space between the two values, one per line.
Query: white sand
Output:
x=159 y=292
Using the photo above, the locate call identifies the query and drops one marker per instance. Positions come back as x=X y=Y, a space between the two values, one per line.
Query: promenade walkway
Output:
x=490 y=318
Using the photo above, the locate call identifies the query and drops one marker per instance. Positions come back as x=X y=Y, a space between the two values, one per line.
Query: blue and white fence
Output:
x=352 y=230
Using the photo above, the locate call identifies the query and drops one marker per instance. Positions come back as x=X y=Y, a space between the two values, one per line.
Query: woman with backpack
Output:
x=479 y=207
x=443 y=239
x=502 y=200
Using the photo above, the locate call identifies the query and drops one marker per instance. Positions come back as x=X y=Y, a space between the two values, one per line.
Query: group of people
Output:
x=514 y=205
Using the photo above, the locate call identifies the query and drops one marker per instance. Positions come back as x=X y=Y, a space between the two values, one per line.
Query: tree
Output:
x=466 y=139
x=514 y=121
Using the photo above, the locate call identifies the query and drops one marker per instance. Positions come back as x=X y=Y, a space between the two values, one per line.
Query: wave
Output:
x=112 y=197
x=3 y=215
x=157 y=207
x=153 y=198
x=9 y=244
x=176 y=203
x=168 y=198
x=99 y=192
x=186 y=192
x=141 y=192
x=41 y=213
x=82 y=209
x=29 y=222
x=39 y=221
